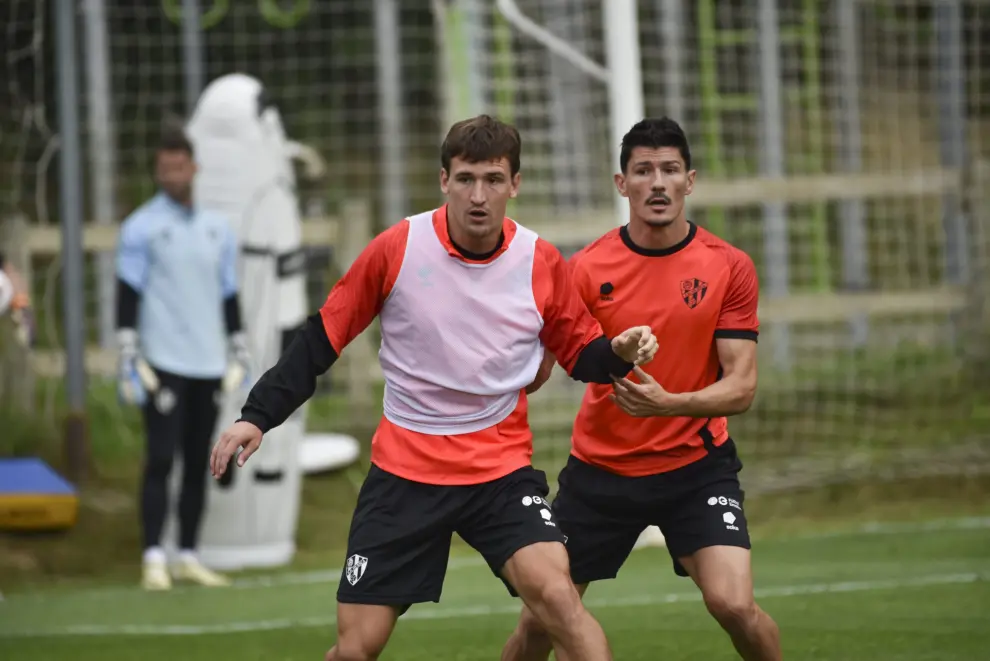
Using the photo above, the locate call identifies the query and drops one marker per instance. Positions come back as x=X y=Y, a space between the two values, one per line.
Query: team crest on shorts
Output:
x=693 y=291
x=355 y=568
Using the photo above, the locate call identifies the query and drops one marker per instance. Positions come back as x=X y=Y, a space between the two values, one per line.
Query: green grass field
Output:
x=911 y=587
x=906 y=592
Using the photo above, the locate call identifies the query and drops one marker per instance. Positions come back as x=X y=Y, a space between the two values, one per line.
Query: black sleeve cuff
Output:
x=597 y=363
x=731 y=334
x=232 y=314
x=256 y=418
x=128 y=299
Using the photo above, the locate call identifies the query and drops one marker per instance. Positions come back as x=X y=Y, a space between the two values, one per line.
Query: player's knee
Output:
x=357 y=643
x=732 y=609
x=530 y=628
x=558 y=604
x=353 y=648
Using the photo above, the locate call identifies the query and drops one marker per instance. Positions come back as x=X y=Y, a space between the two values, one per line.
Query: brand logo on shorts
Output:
x=730 y=520
x=527 y=501
x=545 y=513
x=723 y=501
x=356 y=565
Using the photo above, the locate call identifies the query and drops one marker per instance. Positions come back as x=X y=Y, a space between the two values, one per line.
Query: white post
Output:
x=392 y=142
x=625 y=82
x=102 y=153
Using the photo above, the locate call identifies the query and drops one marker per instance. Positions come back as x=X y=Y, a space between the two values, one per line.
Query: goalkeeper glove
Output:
x=238 y=364
x=135 y=377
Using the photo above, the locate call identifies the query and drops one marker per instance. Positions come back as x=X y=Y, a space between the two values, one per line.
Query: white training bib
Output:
x=459 y=340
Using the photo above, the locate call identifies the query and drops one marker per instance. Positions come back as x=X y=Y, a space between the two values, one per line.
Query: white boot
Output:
x=189 y=568
x=154 y=573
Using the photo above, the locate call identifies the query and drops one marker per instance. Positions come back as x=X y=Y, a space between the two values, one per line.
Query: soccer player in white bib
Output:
x=468 y=300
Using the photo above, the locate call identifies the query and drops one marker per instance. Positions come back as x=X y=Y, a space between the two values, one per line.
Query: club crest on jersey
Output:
x=355 y=568
x=693 y=291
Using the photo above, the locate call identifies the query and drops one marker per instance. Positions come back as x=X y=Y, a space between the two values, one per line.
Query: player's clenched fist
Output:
x=635 y=345
x=239 y=435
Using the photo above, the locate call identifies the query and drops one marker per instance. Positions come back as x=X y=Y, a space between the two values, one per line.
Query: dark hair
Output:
x=173 y=138
x=481 y=138
x=653 y=134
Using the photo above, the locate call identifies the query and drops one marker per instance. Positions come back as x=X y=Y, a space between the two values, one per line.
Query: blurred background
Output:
x=844 y=144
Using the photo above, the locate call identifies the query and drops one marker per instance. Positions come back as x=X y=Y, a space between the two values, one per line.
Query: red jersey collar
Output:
x=440 y=227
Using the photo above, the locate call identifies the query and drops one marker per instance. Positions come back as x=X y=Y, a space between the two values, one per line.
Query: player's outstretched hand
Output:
x=636 y=345
x=239 y=435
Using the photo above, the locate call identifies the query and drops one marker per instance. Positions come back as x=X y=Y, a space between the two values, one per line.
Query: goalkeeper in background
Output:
x=655 y=449
x=181 y=345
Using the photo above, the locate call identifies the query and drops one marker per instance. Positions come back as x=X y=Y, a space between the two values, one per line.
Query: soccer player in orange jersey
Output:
x=655 y=449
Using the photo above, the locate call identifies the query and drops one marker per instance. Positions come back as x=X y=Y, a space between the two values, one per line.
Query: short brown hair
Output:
x=481 y=138
x=173 y=138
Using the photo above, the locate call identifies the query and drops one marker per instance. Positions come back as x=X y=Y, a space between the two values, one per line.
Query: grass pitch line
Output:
x=332 y=576
x=884 y=528
x=876 y=528
x=427 y=612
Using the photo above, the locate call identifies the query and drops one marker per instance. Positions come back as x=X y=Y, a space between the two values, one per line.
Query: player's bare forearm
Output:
x=730 y=395
x=734 y=392
x=286 y=386
x=727 y=396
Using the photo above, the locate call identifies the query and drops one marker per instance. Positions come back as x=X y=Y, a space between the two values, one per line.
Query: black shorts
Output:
x=602 y=513
x=400 y=535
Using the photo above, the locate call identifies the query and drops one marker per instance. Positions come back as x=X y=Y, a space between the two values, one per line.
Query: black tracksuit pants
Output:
x=179 y=419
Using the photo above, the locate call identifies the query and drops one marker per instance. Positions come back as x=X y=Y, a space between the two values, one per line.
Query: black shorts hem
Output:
x=680 y=553
x=402 y=603
x=581 y=578
x=496 y=567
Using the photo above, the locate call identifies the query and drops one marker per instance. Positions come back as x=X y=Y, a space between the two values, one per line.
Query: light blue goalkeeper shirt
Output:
x=183 y=263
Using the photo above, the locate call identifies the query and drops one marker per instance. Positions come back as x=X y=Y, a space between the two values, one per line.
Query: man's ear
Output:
x=516 y=180
x=620 y=183
x=444 y=181
x=690 y=182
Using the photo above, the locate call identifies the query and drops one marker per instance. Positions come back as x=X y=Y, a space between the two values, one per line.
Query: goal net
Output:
x=843 y=144
x=837 y=143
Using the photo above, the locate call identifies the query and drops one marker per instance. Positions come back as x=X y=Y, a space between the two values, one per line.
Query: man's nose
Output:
x=478 y=193
x=659 y=182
